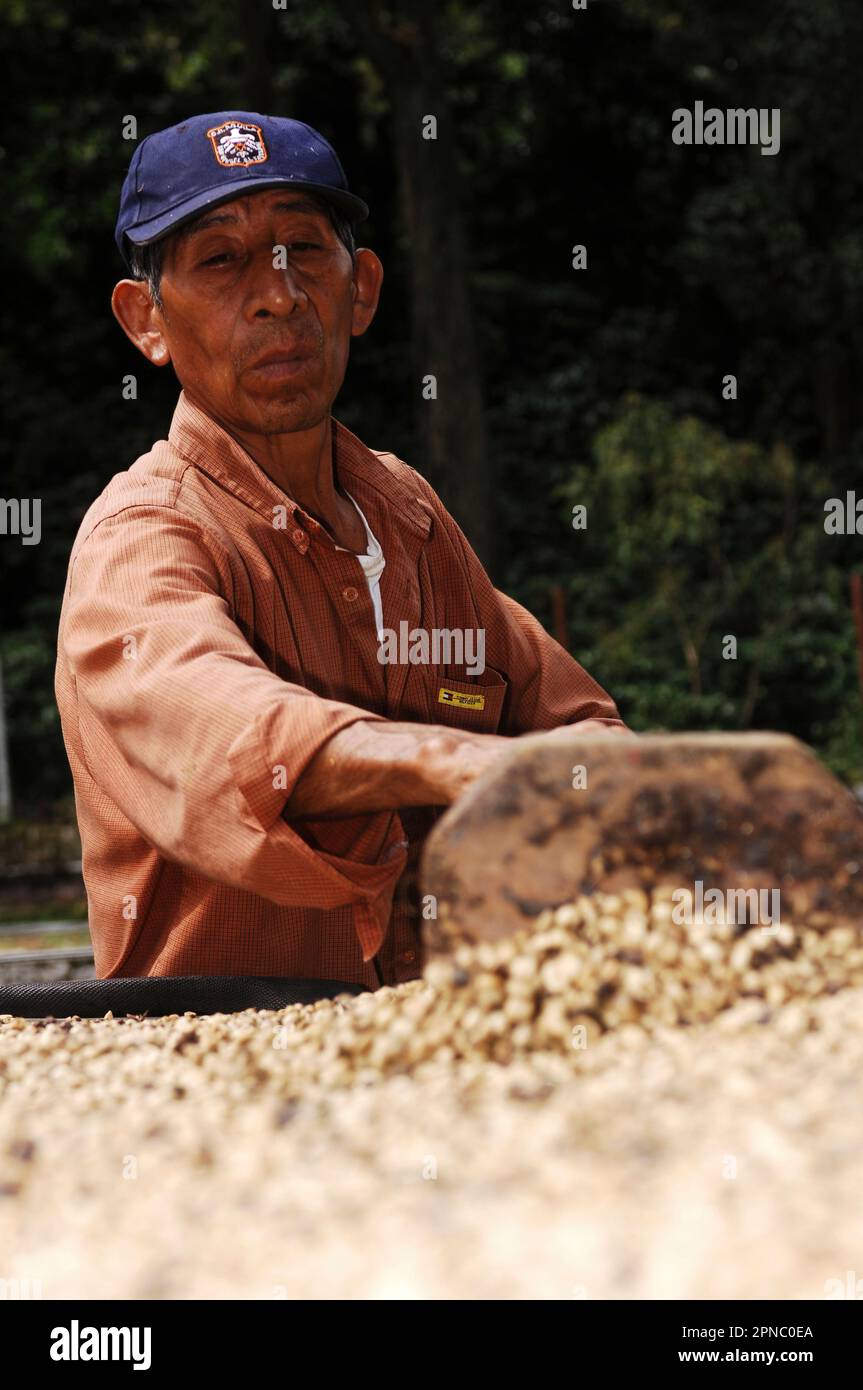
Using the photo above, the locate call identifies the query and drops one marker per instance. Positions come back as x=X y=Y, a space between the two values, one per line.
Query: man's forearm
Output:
x=382 y=765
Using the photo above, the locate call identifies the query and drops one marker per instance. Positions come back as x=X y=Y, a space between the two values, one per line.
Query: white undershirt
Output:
x=372 y=563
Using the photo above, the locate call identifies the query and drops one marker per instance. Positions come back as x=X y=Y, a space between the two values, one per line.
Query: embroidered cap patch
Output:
x=445 y=696
x=238 y=143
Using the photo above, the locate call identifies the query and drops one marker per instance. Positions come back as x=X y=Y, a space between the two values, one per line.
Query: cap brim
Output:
x=144 y=233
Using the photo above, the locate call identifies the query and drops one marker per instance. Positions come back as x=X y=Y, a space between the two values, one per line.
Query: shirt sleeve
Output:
x=548 y=688
x=192 y=736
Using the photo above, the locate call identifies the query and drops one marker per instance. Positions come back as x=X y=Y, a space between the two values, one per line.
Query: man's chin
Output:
x=283 y=413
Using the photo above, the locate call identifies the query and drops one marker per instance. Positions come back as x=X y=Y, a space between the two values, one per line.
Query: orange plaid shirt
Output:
x=208 y=649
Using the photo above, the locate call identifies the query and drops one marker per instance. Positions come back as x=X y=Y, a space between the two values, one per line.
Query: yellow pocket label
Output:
x=446 y=696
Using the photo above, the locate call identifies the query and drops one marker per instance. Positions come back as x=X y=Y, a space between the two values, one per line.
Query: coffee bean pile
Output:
x=607 y=1104
x=600 y=964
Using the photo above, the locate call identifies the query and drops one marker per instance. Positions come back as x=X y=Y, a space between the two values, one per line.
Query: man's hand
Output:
x=383 y=765
x=594 y=726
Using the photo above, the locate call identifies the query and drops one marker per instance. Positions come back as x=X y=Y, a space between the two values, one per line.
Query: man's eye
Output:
x=216 y=260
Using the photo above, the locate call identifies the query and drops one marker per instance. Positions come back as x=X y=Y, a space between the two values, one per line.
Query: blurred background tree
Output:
x=557 y=386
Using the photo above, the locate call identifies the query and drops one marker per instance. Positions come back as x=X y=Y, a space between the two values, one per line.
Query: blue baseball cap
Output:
x=176 y=173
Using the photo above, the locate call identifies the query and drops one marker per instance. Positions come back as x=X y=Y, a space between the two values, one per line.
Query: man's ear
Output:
x=368 y=277
x=140 y=320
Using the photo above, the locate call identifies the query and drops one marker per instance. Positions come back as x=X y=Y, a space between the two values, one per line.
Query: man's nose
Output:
x=275 y=285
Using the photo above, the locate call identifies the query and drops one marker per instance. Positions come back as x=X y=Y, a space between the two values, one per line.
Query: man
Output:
x=252 y=777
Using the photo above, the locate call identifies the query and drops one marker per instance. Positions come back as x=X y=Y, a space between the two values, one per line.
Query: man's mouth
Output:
x=280 y=362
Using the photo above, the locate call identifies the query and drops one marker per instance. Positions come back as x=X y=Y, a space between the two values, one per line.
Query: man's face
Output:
x=262 y=277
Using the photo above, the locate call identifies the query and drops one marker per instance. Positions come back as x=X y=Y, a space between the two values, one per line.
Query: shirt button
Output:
x=299 y=534
x=350 y=593
x=408 y=957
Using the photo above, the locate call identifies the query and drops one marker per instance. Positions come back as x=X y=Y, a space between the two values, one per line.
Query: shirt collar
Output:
x=198 y=438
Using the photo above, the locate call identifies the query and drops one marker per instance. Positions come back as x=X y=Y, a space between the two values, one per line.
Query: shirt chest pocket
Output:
x=476 y=704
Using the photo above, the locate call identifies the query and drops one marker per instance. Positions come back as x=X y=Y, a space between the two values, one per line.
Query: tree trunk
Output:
x=451 y=428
